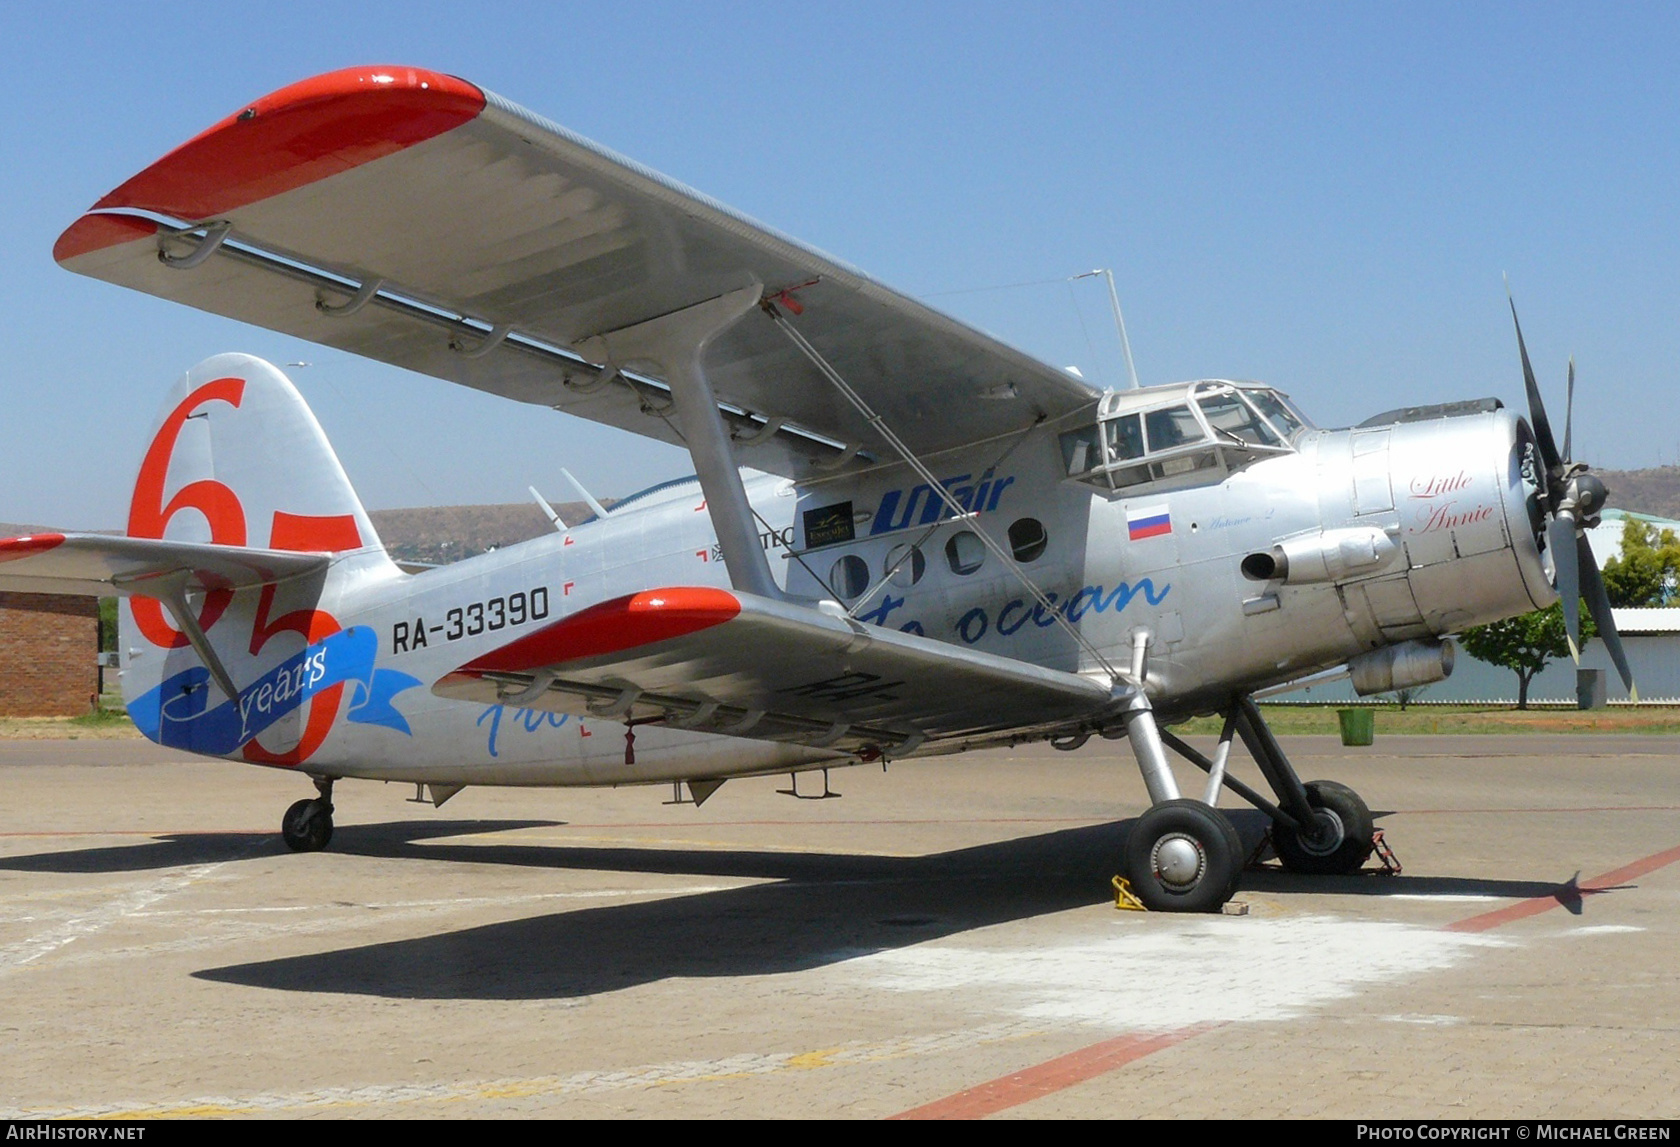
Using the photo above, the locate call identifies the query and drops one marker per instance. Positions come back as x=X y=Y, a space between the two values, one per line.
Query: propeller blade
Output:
x=1598 y=604
x=1536 y=407
x=1569 y=415
x=1560 y=542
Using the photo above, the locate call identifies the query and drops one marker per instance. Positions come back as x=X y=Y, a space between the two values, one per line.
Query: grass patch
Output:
x=1306 y=720
x=107 y=722
x=102 y=718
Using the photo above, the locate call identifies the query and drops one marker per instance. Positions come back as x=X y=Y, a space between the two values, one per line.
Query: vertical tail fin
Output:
x=237 y=459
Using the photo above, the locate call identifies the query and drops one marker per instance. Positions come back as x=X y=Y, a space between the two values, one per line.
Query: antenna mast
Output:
x=1119 y=319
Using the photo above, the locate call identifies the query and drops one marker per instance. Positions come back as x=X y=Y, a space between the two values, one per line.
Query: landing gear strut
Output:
x=1185 y=855
x=308 y=824
x=1182 y=855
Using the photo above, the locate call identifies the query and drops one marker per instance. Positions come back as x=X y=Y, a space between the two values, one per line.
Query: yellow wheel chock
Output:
x=1124 y=898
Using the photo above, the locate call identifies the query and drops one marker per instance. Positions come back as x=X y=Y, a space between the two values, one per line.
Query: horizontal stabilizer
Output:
x=100 y=565
x=720 y=661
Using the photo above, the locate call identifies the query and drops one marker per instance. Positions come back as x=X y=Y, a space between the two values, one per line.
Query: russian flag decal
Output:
x=1147 y=522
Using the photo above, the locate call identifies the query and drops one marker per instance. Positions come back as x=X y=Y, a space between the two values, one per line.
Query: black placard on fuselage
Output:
x=827 y=525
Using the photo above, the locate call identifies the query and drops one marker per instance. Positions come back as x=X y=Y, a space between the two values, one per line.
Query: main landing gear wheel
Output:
x=307 y=825
x=1342 y=842
x=1183 y=856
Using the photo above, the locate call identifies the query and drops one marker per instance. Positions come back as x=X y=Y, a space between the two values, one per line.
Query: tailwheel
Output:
x=1183 y=856
x=307 y=825
x=1340 y=842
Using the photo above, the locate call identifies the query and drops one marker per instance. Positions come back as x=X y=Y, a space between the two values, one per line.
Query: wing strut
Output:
x=892 y=439
x=675 y=344
x=174 y=599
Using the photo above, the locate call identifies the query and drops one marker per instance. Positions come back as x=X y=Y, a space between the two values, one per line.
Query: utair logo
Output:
x=922 y=507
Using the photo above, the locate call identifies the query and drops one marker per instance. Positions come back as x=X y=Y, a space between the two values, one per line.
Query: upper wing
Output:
x=727 y=662
x=98 y=565
x=427 y=213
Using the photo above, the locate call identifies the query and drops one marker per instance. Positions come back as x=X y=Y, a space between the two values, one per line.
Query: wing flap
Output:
x=728 y=662
x=98 y=565
x=511 y=223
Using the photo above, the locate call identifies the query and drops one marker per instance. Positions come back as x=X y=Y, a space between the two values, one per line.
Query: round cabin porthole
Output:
x=910 y=562
x=849 y=577
x=965 y=553
x=1027 y=539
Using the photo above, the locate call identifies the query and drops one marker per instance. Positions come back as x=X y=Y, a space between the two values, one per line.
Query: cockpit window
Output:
x=1227 y=412
x=1276 y=411
x=1080 y=451
x=1172 y=438
x=1171 y=427
x=1125 y=438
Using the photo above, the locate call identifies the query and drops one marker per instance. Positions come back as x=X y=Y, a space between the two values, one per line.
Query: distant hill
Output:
x=1651 y=491
x=434 y=534
x=444 y=534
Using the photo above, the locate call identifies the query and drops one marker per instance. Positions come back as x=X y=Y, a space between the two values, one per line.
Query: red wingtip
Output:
x=612 y=627
x=298 y=135
x=96 y=232
x=13 y=548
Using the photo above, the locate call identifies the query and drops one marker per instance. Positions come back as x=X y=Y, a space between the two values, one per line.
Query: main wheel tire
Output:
x=307 y=826
x=1183 y=856
x=1344 y=841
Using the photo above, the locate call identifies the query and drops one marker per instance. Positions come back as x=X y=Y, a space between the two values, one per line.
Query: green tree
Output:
x=1525 y=644
x=107 y=625
x=1647 y=572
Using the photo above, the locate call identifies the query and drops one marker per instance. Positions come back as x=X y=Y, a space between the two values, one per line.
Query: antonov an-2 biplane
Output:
x=904 y=537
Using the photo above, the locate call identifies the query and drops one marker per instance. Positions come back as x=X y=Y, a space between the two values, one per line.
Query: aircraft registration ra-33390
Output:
x=904 y=537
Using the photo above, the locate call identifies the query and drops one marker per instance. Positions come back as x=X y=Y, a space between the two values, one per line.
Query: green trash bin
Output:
x=1359 y=726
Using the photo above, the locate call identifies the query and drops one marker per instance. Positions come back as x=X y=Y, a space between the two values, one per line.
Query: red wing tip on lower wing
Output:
x=13 y=548
x=302 y=133
x=616 y=626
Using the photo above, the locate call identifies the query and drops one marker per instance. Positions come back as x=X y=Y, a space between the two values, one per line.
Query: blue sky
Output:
x=1321 y=196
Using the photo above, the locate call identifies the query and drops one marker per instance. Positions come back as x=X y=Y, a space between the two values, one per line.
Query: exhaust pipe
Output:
x=1329 y=555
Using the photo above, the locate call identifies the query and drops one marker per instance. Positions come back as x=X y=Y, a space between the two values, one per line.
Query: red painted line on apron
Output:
x=1558 y=808
x=1565 y=893
x=1047 y=1078
x=1100 y=1058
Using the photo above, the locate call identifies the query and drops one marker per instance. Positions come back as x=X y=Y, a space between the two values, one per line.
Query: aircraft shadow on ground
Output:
x=813 y=909
x=175 y=849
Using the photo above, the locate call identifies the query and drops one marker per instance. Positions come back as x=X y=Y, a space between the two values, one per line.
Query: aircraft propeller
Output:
x=1573 y=499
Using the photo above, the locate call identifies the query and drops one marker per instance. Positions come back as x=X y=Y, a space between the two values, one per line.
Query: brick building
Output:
x=49 y=646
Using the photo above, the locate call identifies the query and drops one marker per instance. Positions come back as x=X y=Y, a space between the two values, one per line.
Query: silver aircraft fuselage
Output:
x=1449 y=494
